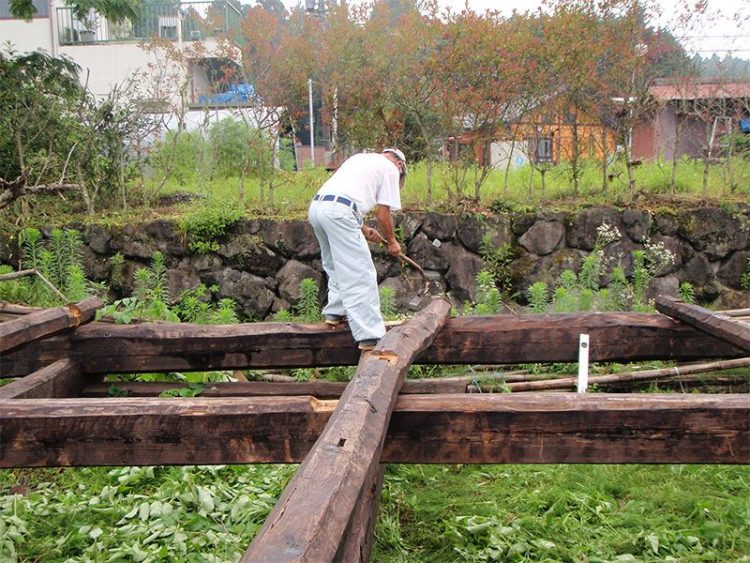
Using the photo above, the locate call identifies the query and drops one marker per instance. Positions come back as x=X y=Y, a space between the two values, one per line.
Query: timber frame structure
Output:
x=56 y=411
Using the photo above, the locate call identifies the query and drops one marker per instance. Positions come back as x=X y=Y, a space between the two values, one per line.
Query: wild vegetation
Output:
x=439 y=88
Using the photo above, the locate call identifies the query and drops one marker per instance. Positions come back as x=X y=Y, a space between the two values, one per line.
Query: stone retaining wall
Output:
x=260 y=262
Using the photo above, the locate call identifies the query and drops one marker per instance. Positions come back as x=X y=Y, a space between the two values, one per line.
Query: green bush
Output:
x=238 y=149
x=183 y=156
x=206 y=226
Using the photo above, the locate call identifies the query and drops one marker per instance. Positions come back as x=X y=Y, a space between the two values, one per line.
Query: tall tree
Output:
x=113 y=10
x=479 y=66
x=39 y=95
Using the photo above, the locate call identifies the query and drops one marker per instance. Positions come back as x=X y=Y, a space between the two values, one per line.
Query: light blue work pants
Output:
x=352 y=280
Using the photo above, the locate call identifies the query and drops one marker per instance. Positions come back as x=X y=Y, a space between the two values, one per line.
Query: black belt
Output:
x=337 y=199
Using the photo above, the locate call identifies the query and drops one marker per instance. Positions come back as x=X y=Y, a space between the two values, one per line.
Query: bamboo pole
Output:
x=570 y=382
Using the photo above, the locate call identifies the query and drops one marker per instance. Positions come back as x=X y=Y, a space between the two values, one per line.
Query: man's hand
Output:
x=393 y=247
x=372 y=235
x=385 y=222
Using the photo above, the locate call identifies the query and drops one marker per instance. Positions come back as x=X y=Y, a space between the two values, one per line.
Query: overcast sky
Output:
x=725 y=29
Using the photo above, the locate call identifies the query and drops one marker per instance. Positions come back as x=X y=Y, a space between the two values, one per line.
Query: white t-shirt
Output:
x=368 y=179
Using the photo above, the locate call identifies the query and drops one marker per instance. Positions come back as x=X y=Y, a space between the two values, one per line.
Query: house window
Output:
x=42 y=9
x=541 y=149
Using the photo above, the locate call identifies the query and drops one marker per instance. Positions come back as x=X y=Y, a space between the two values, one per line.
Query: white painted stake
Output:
x=583 y=362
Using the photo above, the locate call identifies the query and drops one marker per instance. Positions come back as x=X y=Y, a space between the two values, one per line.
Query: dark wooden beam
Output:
x=318 y=507
x=60 y=379
x=731 y=330
x=501 y=339
x=360 y=535
x=46 y=322
x=500 y=428
x=318 y=389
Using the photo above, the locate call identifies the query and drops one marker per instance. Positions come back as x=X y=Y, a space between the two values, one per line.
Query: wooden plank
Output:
x=45 y=323
x=499 y=428
x=312 y=516
x=61 y=379
x=318 y=389
x=501 y=339
x=721 y=326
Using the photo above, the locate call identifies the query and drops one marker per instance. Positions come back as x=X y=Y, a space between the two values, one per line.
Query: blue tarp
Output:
x=236 y=94
x=745 y=124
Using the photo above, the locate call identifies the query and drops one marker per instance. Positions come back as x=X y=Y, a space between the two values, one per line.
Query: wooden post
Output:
x=730 y=330
x=61 y=379
x=316 y=514
x=45 y=323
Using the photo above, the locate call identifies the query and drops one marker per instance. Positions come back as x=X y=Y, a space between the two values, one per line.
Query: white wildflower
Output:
x=606 y=234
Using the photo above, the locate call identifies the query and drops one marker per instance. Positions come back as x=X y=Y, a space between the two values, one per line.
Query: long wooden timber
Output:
x=487 y=428
x=721 y=326
x=439 y=385
x=46 y=322
x=310 y=520
x=60 y=379
x=318 y=389
x=502 y=339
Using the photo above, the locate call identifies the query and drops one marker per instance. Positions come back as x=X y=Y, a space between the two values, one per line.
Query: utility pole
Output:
x=312 y=121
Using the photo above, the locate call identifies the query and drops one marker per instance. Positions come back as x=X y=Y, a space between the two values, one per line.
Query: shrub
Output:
x=238 y=149
x=206 y=226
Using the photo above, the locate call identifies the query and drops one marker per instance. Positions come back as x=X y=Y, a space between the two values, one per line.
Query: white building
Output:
x=110 y=53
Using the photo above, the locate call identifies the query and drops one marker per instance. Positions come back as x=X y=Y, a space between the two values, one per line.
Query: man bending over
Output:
x=363 y=182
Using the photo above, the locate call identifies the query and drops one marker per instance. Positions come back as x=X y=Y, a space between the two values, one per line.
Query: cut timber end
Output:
x=46 y=322
x=726 y=328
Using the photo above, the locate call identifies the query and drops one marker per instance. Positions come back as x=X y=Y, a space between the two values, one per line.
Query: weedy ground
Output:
x=428 y=513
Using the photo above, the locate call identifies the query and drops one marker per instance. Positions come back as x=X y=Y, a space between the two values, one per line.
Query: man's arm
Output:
x=385 y=222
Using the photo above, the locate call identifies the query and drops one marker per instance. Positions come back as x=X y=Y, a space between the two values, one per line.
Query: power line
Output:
x=712 y=36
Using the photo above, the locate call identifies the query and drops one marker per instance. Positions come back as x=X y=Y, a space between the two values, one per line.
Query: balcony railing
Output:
x=180 y=21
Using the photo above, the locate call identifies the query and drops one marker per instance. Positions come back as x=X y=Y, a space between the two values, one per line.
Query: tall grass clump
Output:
x=59 y=259
x=584 y=291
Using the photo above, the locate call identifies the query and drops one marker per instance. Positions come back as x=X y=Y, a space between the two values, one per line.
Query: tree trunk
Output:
x=675 y=158
x=574 y=156
x=605 y=162
x=708 y=153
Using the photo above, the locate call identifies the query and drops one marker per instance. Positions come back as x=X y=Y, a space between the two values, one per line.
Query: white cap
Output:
x=398 y=153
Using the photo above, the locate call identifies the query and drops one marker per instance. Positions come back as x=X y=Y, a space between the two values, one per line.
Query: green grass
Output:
x=565 y=513
x=135 y=513
x=293 y=192
x=429 y=513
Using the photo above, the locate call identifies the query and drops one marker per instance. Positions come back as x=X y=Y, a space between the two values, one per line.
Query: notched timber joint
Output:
x=388 y=355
